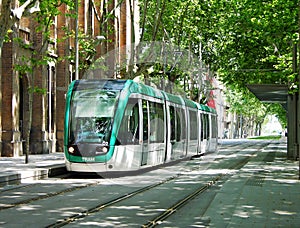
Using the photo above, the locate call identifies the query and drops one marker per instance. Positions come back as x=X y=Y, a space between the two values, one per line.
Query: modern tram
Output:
x=120 y=125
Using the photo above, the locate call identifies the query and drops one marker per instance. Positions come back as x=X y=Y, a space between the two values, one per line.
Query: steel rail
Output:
x=48 y=195
x=179 y=204
x=102 y=206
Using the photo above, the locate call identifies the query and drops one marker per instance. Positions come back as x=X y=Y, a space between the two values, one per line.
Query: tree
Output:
x=170 y=45
x=248 y=108
x=38 y=52
x=243 y=41
x=10 y=14
x=9 y=18
x=254 y=41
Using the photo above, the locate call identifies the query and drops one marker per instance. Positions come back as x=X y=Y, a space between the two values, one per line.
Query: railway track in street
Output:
x=22 y=188
x=150 y=212
x=39 y=196
x=184 y=201
x=170 y=210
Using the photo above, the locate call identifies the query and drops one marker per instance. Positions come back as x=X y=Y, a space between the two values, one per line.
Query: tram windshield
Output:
x=92 y=112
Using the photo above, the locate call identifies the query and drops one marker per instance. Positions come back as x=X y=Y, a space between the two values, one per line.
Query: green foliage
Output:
x=279 y=112
x=269 y=137
x=244 y=102
x=244 y=41
x=38 y=90
x=40 y=56
x=255 y=41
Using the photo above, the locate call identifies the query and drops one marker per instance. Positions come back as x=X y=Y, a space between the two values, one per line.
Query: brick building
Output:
x=51 y=80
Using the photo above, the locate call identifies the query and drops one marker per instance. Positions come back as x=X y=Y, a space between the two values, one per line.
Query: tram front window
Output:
x=91 y=116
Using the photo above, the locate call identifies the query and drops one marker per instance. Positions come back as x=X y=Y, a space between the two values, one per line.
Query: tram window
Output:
x=173 y=123
x=204 y=126
x=156 y=113
x=180 y=124
x=129 y=129
x=207 y=126
x=91 y=116
x=214 y=126
x=183 y=125
x=193 y=125
x=145 y=120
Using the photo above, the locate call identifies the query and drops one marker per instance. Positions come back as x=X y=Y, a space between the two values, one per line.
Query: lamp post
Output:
x=76 y=42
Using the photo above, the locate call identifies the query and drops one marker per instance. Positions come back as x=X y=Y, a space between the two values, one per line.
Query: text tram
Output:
x=121 y=125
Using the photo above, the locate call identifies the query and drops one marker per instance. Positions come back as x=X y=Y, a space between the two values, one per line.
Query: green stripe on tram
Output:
x=130 y=87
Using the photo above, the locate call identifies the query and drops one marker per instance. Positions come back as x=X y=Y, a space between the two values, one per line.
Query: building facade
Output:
x=32 y=100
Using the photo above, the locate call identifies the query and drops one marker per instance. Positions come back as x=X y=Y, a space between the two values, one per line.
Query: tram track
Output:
x=107 y=204
x=222 y=161
x=52 y=194
x=169 y=211
x=47 y=195
x=184 y=201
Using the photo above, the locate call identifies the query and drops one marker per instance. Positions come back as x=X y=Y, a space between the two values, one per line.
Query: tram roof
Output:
x=174 y=98
x=207 y=108
x=191 y=104
x=134 y=87
x=108 y=84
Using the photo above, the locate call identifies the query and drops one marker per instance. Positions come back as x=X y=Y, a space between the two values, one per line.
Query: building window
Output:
x=50 y=94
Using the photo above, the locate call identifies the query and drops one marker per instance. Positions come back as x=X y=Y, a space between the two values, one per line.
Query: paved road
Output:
x=245 y=183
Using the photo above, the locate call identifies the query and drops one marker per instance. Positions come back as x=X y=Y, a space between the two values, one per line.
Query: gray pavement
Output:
x=263 y=193
x=13 y=170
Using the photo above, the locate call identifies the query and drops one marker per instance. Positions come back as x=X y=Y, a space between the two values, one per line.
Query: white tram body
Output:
x=120 y=125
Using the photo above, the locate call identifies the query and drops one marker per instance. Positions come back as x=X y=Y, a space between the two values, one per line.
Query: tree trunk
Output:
x=5 y=20
x=27 y=125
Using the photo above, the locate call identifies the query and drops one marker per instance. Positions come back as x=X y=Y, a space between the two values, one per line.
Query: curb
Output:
x=17 y=177
x=57 y=170
x=10 y=178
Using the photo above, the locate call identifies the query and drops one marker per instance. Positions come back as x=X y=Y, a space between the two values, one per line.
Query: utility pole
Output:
x=297 y=71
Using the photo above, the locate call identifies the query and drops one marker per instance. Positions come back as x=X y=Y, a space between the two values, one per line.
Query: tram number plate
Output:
x=88 y=159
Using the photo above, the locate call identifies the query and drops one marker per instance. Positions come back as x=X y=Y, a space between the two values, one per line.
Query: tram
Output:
x=121 y=125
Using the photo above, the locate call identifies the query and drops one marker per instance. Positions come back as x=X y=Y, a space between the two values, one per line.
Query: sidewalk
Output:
x=13 y=170
x=263 y=193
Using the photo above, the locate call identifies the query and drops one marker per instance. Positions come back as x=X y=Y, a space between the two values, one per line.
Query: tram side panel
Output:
x=213 y=133
x=157 y=129
x=204 y=132
x=177 y=132
x=127 y=153
x=141 y=137
x=193 y=133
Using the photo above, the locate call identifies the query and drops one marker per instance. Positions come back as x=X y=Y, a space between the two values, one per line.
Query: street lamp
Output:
x=76 y=42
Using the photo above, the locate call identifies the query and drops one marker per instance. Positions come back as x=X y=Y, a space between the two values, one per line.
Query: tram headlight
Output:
x=101 y=150
x=104 y=149
x=71 y=149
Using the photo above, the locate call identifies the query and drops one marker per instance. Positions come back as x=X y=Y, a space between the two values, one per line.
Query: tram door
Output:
x=145 y=142
x=178 y=132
